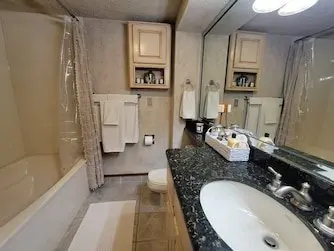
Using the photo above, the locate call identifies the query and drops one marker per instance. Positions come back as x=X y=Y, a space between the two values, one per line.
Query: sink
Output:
x=249 y=220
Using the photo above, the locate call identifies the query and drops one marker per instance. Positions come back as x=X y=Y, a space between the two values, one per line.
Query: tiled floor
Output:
x=153 y=228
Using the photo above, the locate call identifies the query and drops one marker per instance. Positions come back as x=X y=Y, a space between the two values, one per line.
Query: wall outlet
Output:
x=236 y=103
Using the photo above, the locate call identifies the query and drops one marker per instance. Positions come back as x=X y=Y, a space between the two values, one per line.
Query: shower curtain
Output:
x=297 y=80
x=91 y=145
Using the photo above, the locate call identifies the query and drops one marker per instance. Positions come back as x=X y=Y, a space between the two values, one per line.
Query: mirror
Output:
x=275 y=75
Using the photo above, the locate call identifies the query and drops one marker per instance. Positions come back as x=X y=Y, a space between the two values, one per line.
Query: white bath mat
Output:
x=106 y=227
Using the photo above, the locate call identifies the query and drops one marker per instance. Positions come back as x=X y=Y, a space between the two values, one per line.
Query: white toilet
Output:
x=157 y=180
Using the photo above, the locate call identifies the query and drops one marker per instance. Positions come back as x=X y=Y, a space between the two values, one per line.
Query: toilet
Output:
x=157 y=180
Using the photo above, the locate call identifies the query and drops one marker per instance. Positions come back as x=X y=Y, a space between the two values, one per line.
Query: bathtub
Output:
x=53 y=202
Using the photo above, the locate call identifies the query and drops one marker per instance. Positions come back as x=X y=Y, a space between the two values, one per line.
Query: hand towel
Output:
x=131 y=122
x=113 y=139
x=271 y=110
x=188 y=105
x=211 y=105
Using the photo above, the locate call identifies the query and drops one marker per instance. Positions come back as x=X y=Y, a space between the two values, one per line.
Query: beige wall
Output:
x=188 y=57
x=11 y=141
x=271 y=82
x=33 y=44
x=106 y=41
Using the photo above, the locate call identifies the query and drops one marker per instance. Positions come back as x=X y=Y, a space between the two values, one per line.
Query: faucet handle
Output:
x=276 y=183
x=305 y=187
x=331 y=212
x=326 y=224
x=278 y=176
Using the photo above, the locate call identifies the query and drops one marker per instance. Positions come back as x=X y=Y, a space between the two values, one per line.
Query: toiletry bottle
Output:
x=266 y=139
x=233 y=142
x=266 y=144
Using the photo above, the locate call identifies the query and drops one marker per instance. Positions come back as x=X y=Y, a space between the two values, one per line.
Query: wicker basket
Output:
x=231 y=154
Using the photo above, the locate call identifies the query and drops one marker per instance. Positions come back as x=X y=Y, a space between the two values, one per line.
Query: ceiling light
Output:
x=266 y=6
x=296 y=6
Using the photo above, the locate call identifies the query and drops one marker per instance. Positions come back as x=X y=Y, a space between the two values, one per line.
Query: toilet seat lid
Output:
x=158 y=176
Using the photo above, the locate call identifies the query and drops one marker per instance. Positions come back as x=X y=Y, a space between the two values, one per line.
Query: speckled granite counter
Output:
x=192 y=168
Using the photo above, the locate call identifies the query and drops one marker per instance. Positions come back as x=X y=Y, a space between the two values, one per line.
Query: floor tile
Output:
x=151 y=201
x=160 y=245
x=131 y=178
x=155 y=226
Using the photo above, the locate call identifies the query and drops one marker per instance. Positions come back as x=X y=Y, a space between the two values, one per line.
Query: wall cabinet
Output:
x=149 y=51
x=245 y=61
x=248 y=51
x=149 y=43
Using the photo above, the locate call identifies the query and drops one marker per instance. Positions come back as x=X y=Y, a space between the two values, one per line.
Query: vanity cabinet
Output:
x=149 y=46
x=245 y=58
x=173 y=205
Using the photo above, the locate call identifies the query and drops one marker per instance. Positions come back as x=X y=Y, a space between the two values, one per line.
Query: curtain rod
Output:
x=67 y=10
x=317 y=34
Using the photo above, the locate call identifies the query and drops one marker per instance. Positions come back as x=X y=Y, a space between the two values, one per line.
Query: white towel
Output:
x=271 y=110
x=131 y=122
x=211 y=105
x=113 y=139
x=111 y=113
x=188 y=105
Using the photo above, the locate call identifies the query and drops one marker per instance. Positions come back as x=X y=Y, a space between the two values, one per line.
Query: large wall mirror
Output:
x=275 y=75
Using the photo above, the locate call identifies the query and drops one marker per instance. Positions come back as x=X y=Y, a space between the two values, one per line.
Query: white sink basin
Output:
x=249 y=220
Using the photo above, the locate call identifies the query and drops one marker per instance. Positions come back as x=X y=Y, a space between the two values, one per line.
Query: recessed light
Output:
x=266 y=6
x=296 y=6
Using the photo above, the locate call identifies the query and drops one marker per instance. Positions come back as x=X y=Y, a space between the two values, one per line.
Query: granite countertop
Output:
x=192 y=168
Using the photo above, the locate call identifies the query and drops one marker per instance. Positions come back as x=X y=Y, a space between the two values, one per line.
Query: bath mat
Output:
x=106 y=227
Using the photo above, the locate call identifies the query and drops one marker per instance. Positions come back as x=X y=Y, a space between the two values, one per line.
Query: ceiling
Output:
x=198 y=14
x=142 y=10
x=311 y=21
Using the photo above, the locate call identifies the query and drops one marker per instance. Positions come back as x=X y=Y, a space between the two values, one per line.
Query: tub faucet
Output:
x=300 y=199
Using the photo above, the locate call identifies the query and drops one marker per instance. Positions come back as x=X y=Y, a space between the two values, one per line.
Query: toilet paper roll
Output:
x=148 y=140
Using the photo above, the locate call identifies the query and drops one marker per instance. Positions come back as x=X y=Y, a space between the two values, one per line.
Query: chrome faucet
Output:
x=301 y=198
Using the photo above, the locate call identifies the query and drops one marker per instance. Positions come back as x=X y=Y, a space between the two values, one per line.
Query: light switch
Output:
x=236 y=103
x=149 y=101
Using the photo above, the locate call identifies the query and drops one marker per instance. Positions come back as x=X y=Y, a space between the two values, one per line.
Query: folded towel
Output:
x=111 y=113
x=211 y=105
x=188 y=105
x=113 y=139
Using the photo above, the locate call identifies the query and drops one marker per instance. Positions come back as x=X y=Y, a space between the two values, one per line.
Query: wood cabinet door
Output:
x=149 y=43
x=248 y=51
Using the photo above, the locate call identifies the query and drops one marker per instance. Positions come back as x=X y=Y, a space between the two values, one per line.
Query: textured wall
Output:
x=271 y=82
x=11 y=141
x=33 y=44
x=107 y=50
x=188 y=57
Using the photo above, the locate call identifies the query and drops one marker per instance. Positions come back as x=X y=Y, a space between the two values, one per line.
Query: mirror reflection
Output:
x=276 y=79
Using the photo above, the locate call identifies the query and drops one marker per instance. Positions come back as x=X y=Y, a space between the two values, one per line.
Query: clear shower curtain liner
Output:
x=298 y=79
x=76 y=73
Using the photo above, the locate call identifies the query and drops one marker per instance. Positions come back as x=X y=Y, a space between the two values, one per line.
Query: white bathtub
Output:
x=41 y=225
